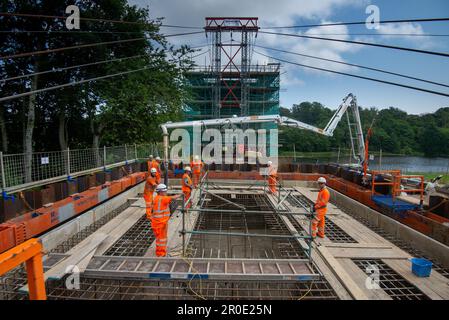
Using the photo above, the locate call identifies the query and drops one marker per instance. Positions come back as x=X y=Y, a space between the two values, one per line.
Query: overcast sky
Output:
x=299 y=84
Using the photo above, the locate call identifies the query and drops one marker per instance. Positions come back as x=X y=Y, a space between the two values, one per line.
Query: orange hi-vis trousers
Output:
x=187 y=194
x=196 y=178
x=318 y=223
x=272 y=181
x=160 y=229
x=148 y=203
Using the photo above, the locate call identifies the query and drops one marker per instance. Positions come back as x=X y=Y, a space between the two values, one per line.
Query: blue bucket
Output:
x=421 y=267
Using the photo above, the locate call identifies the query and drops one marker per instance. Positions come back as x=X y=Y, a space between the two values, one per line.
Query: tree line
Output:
x=394 y=131
x=118 y=110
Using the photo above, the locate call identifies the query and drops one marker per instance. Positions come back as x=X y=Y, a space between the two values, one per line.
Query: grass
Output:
x=430 y=175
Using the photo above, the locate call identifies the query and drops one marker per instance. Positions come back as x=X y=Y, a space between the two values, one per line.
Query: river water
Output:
x=405 y=163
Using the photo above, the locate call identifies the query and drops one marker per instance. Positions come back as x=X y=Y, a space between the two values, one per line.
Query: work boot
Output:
x=321 y=236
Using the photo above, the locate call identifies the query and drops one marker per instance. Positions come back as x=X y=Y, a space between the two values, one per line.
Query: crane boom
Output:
x=349 y=103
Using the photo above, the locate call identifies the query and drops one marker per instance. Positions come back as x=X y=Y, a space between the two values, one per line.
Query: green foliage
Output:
x=118 y=110
x=394 y=131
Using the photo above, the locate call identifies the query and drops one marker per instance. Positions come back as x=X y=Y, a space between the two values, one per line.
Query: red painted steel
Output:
x=30 y=224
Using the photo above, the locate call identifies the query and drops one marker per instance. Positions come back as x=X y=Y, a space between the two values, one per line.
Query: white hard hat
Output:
x=161 y=187
x=269 y=163
x=196 y=157
x=150 y=156
x=188 y=168
x=153 y=170
x=322 y=180
x=158 y=159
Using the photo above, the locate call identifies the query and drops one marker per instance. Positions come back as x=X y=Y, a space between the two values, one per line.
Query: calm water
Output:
x=406 y=164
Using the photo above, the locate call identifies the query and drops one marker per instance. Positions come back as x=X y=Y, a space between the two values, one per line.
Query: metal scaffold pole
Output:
x=2 y=168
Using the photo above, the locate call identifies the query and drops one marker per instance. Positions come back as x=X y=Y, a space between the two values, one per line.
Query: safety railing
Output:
x=30 y=253
x=396 y=181
x=23 y=171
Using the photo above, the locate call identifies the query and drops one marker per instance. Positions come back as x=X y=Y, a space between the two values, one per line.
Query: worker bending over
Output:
x=150 y=186
x=272 y=177
x=156 y=164
x=320 y=209
x=187 y=185
x=160 y=217
x=197 y=166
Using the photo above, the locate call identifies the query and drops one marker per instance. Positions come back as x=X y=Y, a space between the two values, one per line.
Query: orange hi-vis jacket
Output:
x=196 y=166
x=155 y=164
x=186 y=183
x=322 y=201
x=161 y=209
x=150 y=185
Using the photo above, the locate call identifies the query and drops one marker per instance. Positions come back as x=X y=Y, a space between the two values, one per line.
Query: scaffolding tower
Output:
x=232 y=85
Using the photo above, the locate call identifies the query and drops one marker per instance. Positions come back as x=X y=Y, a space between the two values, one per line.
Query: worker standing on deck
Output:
x=187 y=184
x=159 y=218
x=272 y=177
x=320 y=209
x=150 y=160
x=156 y=163
x=197 y=166
x=150 y=186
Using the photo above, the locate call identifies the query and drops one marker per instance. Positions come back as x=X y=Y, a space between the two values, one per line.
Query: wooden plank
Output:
x=435 y=287
x=106 y=229
x=360 y=278
x=359 y=245
x=342 y=275
x=328 y=274
x=59 y=270
x=368 y=253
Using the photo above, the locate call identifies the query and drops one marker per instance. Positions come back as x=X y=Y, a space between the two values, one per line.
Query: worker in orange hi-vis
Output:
x=187 y=185
x=320 y=209
x=156 y=164
x=272 y=177
x=148 y=191
x=197 y=166
x=150 y=160
x=160 y=217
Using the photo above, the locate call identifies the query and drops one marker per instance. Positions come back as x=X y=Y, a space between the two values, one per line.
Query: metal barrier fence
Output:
x=23 y=171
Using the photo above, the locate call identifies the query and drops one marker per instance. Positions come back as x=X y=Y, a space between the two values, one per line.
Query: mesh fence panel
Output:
x=21 y=169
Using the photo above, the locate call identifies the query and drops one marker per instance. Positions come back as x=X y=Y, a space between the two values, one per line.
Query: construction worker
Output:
x=150 y=186
x=150 y=160
x=187 y=185
x=272 y=177
x=320 y=209
x=197 y=166
x=156 y=163
x=159 y=218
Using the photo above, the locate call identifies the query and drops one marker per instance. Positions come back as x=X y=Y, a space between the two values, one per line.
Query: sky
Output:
x=299 y=84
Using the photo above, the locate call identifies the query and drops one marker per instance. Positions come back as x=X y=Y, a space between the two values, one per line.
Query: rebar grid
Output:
x=390 y=281
x=12 y=281
x=333 y=232
x=83 y=234
x=135 y=242
x=395 y=240
x=107 y=289
x=336 y=234
x=211 y=246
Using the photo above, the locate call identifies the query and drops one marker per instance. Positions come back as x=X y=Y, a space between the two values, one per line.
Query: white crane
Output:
x=349 y=107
